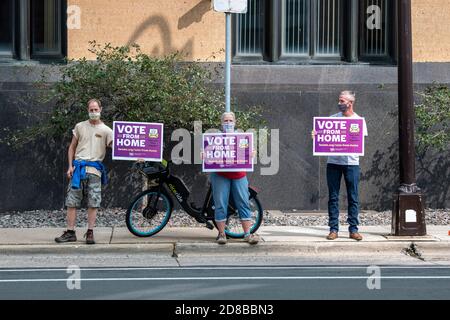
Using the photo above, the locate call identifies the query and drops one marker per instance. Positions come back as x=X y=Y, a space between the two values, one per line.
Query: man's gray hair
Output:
x=228 y=114
x=349 y=94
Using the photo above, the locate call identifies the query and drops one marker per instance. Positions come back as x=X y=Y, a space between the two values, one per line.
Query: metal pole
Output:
x=24 y=18
x=406 y=99
x=228 y=63
x=408 y=216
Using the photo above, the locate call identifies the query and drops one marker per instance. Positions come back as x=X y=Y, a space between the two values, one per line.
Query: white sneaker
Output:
x=252 y=238
x=221 y=239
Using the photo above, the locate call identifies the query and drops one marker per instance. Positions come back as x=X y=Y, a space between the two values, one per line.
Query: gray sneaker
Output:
x=221 y=239
x=252 y=238
x=67 y=236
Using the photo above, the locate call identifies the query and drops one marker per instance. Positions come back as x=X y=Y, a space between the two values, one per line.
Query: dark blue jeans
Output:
x=351 y=177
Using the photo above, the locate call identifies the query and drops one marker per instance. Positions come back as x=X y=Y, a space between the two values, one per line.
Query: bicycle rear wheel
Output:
x=233 y=228
x=148 y=213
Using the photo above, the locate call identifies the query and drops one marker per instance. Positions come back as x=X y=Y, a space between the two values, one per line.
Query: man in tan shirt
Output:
x=86 y=171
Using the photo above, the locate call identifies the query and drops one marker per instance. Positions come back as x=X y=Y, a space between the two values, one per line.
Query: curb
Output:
x=176 y=249
x=165 y=249
x=293 y=248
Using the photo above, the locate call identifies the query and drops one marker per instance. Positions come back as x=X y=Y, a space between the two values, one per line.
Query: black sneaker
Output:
x=67 y=236
x=89 y=235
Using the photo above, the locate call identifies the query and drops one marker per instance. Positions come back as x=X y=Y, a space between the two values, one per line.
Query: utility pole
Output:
x=229 y=7
x=228 y=62
x=408 y=214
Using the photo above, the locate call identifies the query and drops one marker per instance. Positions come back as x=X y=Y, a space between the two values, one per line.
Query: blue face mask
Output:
x=228 y=127
x=343 y=107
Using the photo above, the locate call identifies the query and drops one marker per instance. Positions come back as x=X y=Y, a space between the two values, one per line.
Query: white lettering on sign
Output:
x=220 y=147
x=130 y=136
x=134 y=129
x=332 y=125
x=130 y=143
x=374 y=20
x=331 y=138
x=221 y=154
x=332 y=131
x=230 y=141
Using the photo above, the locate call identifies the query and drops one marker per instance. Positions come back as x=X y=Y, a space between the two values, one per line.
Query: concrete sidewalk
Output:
x=201 y=241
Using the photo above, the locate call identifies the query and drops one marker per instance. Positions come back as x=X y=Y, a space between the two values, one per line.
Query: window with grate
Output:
x=316 y=31
x=32 y=29
x=375 y=29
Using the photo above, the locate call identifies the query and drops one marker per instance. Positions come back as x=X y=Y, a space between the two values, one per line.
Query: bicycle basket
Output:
x=153 y=170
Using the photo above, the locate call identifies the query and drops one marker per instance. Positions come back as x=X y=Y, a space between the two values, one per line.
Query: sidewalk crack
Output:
x=112 y=232
x=413 y=251
x=175 y=254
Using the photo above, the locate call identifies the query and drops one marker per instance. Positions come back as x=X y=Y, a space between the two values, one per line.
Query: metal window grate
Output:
x=328 y=26
x=295 y=27
x=249 y=29
x=45 y=26
x=319 y=30
x=374 y=17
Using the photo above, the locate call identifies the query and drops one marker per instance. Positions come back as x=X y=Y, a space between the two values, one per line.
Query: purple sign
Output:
x=228 y=152
x=339 y=136
x=137 y=140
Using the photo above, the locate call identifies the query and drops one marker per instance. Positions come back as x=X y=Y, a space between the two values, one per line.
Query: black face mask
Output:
x=343 y=107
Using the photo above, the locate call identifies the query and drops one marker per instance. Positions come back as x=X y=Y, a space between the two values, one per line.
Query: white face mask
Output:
x=228 y=127
x=94 y=115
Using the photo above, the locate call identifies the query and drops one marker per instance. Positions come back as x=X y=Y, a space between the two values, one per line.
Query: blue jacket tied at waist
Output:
x=80 y=171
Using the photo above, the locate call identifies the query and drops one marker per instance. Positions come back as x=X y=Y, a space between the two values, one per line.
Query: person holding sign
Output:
x=347 y=166
x=234 y=183
x=86 y=170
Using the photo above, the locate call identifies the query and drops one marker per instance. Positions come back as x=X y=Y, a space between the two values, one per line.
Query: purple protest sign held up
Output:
x=137 y=140
x=228 y=152
x=339 y=136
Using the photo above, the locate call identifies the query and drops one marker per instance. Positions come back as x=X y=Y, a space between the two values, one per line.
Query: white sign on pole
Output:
x=230 y=6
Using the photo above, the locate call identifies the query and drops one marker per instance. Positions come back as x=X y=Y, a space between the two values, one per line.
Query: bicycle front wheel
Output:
x=149 y=213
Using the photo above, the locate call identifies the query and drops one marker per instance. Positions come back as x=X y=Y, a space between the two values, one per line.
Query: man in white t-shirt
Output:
x=347 y=166
x=86 y=171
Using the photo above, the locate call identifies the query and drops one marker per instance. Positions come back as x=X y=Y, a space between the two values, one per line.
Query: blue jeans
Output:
x=351 y=177
x=221 y=188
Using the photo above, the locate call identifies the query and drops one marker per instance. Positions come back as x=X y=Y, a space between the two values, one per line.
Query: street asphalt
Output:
x=290 y=263
x=229 y=283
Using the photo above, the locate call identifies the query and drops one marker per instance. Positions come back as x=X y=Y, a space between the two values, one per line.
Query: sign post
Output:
x=228 y=63
x=229 y=7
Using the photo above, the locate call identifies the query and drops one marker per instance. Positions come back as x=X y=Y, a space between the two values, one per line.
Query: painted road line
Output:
x=228 y=268
x=233 y=278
